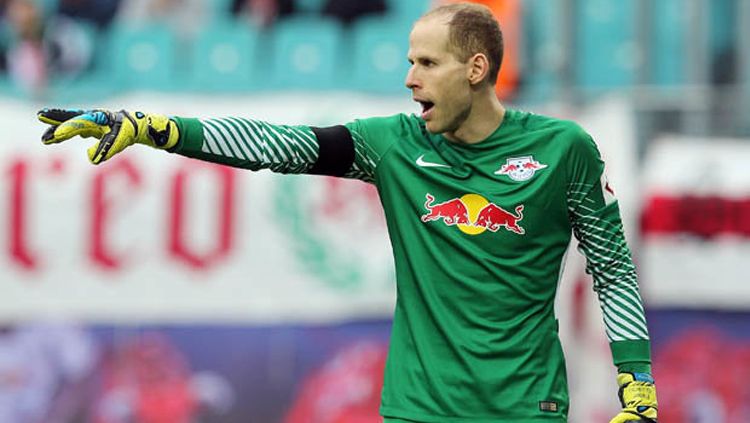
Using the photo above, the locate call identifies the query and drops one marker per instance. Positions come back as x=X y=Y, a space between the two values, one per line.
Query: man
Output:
x=480 y=203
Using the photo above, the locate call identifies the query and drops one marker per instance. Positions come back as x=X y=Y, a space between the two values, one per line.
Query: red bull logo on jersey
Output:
x=473 y=214
x=520 y=168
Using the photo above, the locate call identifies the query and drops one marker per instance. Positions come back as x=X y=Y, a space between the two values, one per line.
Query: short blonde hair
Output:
x=473 y=29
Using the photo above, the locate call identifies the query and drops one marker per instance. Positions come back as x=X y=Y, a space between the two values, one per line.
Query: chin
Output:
x=433 y=127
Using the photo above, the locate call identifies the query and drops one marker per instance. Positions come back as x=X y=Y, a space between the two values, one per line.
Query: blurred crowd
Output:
x=40 y=39
x=62 y=373
x=68 y=373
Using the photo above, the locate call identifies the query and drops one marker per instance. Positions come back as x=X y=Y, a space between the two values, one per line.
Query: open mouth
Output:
x=426 y=106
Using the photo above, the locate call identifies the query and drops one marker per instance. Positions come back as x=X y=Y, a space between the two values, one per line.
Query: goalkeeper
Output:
x=480 y=201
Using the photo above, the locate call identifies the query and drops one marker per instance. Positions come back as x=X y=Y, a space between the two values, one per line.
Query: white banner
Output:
x=696 y=223
x=155 y=236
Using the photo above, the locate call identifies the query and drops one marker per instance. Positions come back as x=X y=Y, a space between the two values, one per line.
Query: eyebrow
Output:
x=422 y=57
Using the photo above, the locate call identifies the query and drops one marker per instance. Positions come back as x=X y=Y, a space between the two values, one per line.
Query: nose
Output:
x=411 y=81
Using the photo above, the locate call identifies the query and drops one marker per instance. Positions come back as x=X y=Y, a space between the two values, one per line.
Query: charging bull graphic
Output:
x=473 y=214
x=453 y=212
x=493 y=217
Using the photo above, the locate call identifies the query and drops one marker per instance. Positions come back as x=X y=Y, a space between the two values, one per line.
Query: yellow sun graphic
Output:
x=474 y=203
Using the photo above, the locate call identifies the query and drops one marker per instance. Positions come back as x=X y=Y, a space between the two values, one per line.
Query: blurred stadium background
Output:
x=137 y=292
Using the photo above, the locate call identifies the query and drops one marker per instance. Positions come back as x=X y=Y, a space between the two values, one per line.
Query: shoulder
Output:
x=567 y=135
x=563 y=128
x=381 y=133
x=396 y=124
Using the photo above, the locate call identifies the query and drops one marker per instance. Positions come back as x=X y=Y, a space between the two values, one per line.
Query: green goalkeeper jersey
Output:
x=479 y=235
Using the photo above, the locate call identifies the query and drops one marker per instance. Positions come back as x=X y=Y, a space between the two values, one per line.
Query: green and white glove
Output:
x=638 y=398
x=115 y=130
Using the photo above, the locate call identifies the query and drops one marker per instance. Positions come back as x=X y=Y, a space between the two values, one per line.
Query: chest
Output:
x=514 y=192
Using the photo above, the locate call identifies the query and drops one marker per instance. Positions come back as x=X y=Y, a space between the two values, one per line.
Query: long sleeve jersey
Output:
x=479 y=235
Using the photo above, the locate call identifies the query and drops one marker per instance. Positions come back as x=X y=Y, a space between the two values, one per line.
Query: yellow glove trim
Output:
x=115 y=130
x=638 y=398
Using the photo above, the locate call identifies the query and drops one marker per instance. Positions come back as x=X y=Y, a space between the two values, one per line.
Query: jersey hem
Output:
x=395 y=416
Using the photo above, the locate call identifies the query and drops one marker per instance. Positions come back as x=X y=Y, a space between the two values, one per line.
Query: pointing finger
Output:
x=57 y=116
x=87 y=125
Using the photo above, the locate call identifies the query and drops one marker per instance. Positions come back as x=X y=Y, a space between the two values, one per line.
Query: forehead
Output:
x=429 y=37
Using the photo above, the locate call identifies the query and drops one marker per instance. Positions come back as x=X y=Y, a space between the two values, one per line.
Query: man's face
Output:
x=437 y=79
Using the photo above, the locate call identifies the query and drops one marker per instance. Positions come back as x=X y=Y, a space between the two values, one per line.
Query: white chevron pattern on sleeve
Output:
x=256 y=145
x=365 y=160
x=259 y=145
x=608 y=260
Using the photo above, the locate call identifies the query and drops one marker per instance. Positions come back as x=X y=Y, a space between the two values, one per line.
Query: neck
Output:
x=486 y=115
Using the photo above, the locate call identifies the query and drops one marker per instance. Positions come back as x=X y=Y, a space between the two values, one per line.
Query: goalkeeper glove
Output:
x=638 y=397
x=115 y=130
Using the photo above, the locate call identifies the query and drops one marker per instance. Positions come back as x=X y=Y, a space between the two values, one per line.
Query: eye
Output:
x=426 y=63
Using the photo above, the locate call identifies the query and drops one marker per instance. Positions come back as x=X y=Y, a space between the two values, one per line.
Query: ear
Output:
x=478 y=68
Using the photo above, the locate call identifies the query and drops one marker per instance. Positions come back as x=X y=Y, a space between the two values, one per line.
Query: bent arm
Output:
x=596 y=222
x=608 y=260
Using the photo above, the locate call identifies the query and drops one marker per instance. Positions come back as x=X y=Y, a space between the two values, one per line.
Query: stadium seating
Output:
x=723 y=33
x=407 y=11
x=224 y=58
x=606 y=59
x=142 y=57
x=669 y=22
x=541 y=37
x=378 y=55
x=305 y=54
x=308 y=52
x=92 y=83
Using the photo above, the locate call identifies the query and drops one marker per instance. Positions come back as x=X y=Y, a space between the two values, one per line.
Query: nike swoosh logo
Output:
x=422 y=163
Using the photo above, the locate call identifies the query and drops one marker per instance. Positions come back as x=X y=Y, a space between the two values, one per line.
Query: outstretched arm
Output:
x=233 y=141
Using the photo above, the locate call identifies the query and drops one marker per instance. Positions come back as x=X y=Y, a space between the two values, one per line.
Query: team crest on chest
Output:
x=520 y=168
